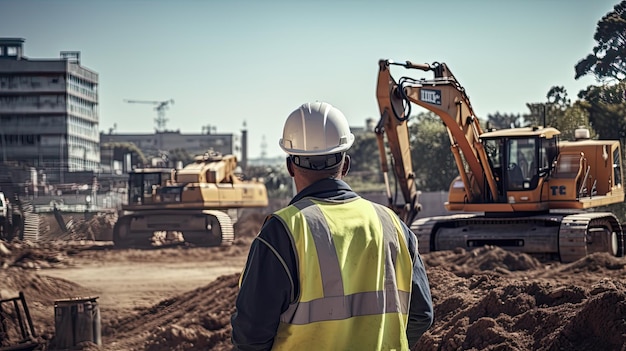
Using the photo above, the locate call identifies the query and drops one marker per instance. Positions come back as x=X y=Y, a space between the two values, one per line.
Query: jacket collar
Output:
x=326 y=188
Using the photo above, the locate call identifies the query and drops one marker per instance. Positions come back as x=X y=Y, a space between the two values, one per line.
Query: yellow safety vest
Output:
x=355 y=277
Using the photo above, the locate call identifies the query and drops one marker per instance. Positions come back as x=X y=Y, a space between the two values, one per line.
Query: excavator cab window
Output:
x=494 y=155
x=135 y=182
x=522 y=171
x=617 y=170
x=143 y=185
x=547 y=155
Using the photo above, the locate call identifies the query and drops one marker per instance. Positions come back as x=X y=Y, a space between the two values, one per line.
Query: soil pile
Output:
x=485 y=299
x=519 y=304
x=197 y=320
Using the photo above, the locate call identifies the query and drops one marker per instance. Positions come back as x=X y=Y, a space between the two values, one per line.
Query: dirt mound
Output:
x=491 y=312
x=485 y=299
x=197 y=320
x=512 y=305
x=40 y=293
x=466 y=263
x=29 y=255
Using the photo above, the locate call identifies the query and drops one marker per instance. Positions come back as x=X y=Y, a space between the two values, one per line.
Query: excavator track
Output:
x=226 y=226
x=124 y=238
x=220 y=231
x=424 y=229
x=585 y=233
x=206 y=228
x=568 y=237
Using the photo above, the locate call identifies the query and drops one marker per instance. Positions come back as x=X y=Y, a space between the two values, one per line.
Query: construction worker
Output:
x=331 y=271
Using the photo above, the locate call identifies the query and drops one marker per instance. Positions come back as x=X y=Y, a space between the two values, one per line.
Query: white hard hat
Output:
x=314 y=129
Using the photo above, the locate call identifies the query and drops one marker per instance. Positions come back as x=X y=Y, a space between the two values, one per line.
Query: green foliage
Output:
x=504 y=121
x=433 y=162
x=557 y=96
x=277 y=180
x=364 y=153
x=607 y=109
x=572 y=118
x=608 y=58
x=365 y=173
x=559 y=113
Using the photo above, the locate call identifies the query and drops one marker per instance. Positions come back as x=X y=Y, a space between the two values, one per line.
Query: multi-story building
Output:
x=48 y=112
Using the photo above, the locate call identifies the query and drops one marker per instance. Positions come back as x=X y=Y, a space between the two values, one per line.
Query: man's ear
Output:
x=346 y=166
x=289 y=166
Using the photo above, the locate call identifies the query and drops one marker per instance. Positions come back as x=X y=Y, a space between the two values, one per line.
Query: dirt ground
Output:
x=181 y=298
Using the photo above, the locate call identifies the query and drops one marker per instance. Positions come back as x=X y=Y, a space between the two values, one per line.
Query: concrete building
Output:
x=48 y=112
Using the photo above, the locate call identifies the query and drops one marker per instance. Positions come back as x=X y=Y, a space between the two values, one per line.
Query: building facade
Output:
x=48 y=112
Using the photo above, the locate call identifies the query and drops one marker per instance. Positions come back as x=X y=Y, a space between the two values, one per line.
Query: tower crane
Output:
x=160 y=108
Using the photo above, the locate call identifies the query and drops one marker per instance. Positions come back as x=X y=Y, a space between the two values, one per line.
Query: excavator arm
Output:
x=444 y=96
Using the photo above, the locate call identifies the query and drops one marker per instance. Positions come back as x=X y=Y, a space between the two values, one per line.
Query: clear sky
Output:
x=226 y=63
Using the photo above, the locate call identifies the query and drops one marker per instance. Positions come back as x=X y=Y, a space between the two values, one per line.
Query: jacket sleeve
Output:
x=265 y=290
x=421 y=314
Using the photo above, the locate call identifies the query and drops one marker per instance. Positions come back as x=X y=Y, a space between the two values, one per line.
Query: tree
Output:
x=365 y=173
x=433 y=162
x=558 y=112
x=557 y=95
x=607 y=109
x=504 y=121
x=605 y=104
x=277 y=180
x=608 y=59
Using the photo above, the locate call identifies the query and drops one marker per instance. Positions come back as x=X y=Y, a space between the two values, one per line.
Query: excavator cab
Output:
x=519 y=162
x=144 y=183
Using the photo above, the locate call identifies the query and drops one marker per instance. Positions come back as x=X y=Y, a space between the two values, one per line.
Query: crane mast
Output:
x=160 y=120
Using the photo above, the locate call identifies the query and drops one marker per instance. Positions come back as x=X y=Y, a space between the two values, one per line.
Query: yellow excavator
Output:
x=522 y=189
x=197 y=204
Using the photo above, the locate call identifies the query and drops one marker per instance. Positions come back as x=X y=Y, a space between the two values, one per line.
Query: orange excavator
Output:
x=522 y=189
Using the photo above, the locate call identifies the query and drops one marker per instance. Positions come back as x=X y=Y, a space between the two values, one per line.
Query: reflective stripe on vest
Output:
x=335 y=304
